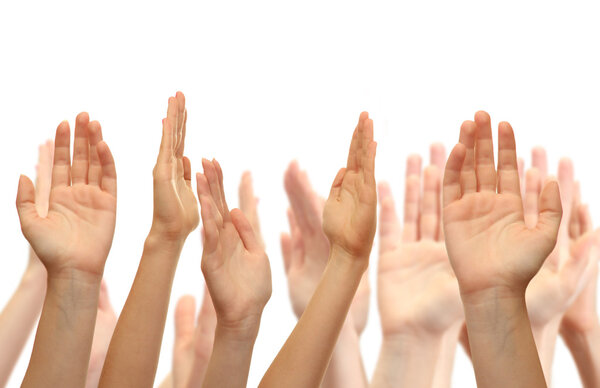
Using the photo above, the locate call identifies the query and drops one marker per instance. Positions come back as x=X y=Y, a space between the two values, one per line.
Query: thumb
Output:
x=26 y=204
x=550 y=210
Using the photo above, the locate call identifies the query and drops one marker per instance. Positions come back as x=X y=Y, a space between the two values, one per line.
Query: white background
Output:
x=270 y=81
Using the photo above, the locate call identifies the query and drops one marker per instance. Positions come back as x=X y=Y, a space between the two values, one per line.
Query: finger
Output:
x=452 y=175
x=437 y=156
x=508 y=169
x=389 y=227
x=81 y=150
x=297 y=257
x=352 y=162
x=61 y=171
x=336 y=186
x=210 y=173
x=573 y=271
x=221 y=188
x=26 y=203
x=166 y=144
x=181 y=147
x=180 y=124
x=209 y=222
x=172 y=110
x=574 y=221
x=248 y=201
x=44 y=178
x=550 y=209
x=187 y=171
x=521 y=169
x=109 y=171
x=468 y=178
x=412 y=200
x=533 y=187
x=566 y=183
x=361 y=140
x=413 y=165
x=212 y=210
x=585 y=219
x=484 y=153
x=245 y=231
x=430 y=204
x=95 y=168
x=539 y=160
x=369 y=165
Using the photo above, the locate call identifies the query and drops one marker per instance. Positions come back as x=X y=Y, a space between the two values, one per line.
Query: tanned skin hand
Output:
x=72 y=241
x=135 y=346
x=494 y=254
x=349 y=221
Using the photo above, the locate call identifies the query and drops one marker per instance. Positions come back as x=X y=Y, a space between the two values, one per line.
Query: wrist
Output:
x=346 y=261
x=158 y=240
x=74 y=276
x=241 y=332
x=492 y=296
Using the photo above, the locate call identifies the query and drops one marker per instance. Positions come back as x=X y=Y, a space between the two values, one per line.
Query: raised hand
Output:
x=306 y=249
x=349 y=219
x=77 y=232
x=134 y=350
x=494 y=253
x=175 y=205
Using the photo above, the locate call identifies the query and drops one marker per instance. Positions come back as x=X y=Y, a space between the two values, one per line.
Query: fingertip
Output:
x=82 y=118
x=482 y=117
x=363 y=116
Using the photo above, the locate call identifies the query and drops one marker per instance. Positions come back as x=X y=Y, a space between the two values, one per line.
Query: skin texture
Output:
x=21 y=313
x=349 y=220
x=133 y=354
x=494 y=253
x=72 y=241
x=419 y=300
x=194 y=341
x=305 y=253
x=238 y=276
x=580 y=328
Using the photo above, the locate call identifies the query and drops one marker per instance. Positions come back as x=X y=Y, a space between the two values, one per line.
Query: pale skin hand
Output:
x=72 y=241
x=134 y=350
x=349 y=220
x=194 y=342
x=419 y=300
x=494 y=254
x=238 y=276
x=305 y=253
x=21 y=312
x=580 y=327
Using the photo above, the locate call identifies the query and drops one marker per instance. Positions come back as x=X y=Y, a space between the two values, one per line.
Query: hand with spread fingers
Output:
x=72 y=240
x=305 y=253
x=419 y=301
x=349 y=220
x=238 y=276
x=494 y=253
x=134 y=350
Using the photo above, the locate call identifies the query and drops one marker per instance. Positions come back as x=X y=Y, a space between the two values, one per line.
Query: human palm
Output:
x=349 y=215
x=488 y=243
x=175 y=205
x=234 y=262
x=77 y=232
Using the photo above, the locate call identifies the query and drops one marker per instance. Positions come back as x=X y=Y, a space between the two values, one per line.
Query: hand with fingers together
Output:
x=419 y=301
x=561 y=278
x=134 y=350
x=494 y=253
x=21 y=313
x=305 y=254
x=238 y=276
x=72 y=240
x=349 y=219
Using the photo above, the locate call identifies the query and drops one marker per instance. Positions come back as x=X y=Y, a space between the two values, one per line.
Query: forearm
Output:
x=442 y=377
x=407 y=360
x=346 y=367
x=230 y=360
x=63 y=341
x=312 y=341
x=545 y=340
x=134 y=350
x=502 y=345
x=19 y=317
x=585 y=348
